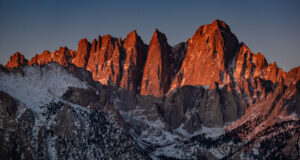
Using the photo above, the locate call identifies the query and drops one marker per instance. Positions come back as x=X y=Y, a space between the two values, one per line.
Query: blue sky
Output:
x=31 y=26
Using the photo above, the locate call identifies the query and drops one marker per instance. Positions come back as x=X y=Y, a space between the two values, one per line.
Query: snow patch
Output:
x=38 y=86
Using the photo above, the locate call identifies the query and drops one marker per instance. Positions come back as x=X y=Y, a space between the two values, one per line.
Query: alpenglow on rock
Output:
x=16 y=60
x=210 y=52
x=135 y=52
x=209 y=97
x=212 y=55
x=157 y=72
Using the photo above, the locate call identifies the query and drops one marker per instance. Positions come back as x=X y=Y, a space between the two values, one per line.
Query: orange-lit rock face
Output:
x=104 y=60
x=274 y=73
x=16 y=60
x=249 y=64
x=209 y=53
x=292 y=76
x=80 y=60
x=95 y=49
x=109 y=70
x=41 y=59
x=212 y=55
x=107 y=66
x=62 y=56
x=135 y=52
x=157 y=74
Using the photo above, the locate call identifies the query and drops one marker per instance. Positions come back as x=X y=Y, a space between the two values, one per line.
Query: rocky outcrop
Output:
x=283 y=104
x=157 y=73
x=209 y=54
x=42 y=58
x=63 y=56
x=292 y=76
x=95 y=50
x=274 y=73
x=248 y=64
x=178 y=54
x=108 y=61
x=135 y=52
x=83 y=97
x=16 y=60
x=191 y=106
x=83 y=51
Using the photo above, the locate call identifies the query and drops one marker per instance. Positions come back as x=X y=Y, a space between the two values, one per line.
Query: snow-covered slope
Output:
x=37 y=120
x=35 y=86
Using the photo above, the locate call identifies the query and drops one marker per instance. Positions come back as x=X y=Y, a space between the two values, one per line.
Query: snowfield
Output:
x=35 y=86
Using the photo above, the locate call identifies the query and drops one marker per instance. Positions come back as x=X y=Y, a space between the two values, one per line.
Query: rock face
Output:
x=275 y=74
x=63 y=56
x=157 y=73
x=250 y=65
x=135 y=52
x=209 y=53
x=83 y=51
x=191 y=106
x=41 y=59
x=92 y=63
x=107 y=61
x=16 y=60
x=158 y=100
x=283 y=104
x=292 y=76
x=178 y=54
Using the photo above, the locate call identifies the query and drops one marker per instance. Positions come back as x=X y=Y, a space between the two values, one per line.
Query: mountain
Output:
x=210 y=52
x=157 y=74
x=50 y=113
x=16 y=60
x=134 y=61
x=209 y=97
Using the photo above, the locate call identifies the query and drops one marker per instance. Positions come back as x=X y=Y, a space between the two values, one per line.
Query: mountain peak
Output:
x=135 y=56
x=157 y=33
x=158 y=37
x=210 y=52
x=80 y=60
x=157 y=73
x=132 y=34
x=132 y=39
x=216 y=27
x=274 y=64
x=16 y=60
x=221 y=24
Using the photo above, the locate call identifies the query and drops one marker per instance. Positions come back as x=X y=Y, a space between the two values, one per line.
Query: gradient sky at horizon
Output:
x=31 y=26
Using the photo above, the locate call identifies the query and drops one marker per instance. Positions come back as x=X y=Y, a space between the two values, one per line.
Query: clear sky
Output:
x=271 y=27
